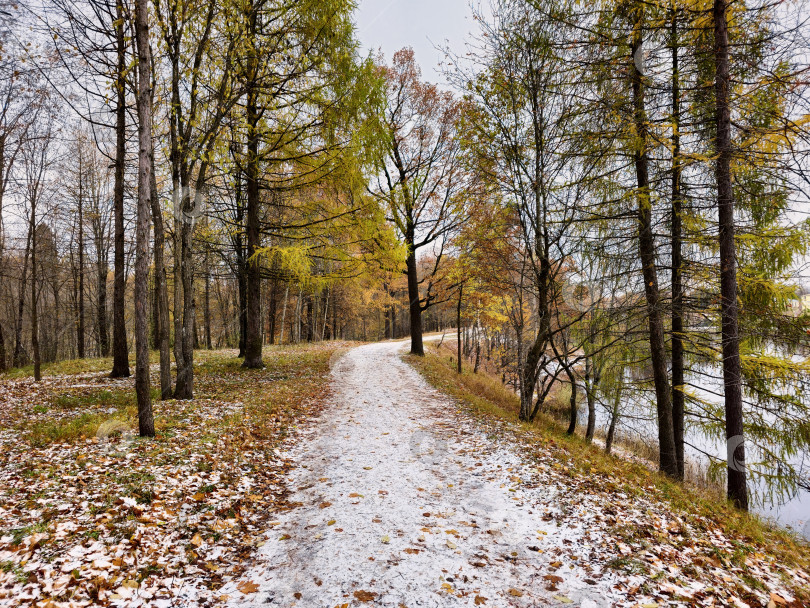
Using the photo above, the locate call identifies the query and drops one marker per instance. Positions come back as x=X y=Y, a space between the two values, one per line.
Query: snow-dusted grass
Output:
x=90 y=515
x=736 y=554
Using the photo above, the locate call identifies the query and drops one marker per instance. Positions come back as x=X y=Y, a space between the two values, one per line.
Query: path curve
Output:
x=404 y=501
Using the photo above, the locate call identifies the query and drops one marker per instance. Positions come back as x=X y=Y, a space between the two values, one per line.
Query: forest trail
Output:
x=402 y=500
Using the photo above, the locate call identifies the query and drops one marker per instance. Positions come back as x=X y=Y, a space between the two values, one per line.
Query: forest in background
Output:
x=611 y=201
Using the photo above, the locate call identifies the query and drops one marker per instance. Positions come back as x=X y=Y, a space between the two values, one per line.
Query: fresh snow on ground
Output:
x=403 y=501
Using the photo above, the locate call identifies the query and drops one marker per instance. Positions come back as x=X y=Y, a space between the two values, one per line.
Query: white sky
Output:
x=422 y=24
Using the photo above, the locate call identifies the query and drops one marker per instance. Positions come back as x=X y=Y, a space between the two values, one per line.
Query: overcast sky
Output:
x=422 y=24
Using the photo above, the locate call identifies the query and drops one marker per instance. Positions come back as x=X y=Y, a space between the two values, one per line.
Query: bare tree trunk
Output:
x=614 y=420
x=2 y=351
x=146 y=422
x=325 y=314
x=677 y=261
x=18 y=351
x=80 y=277
x=732 y=370
x=120 y=367
x=101 y=307
x=184 y=385
x=458 y=327
x=3 y=362
x=272 y=312
x=284 y=313
x=573 y=414
x=253 y=334
x=415 y=304
x=207 y=303
x=590 y=393
x=477 y=347
x=34 y=311
x=646 y=243
x=161 y=291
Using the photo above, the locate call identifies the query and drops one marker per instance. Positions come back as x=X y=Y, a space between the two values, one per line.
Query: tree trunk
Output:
x=120 y=367
x=572 y=404
x=677 y=262
x=732 y=371
x=590 y=394
x=477 y=348
x=34 y=313
x=458 y=326
x=3 y=362
x=415 y=304
x=207 y=303
x=80 y=277
x=284 y=313
x=18 y=351
x=614 y=420
x=101 y=307
x=646 y=243
x=161 y=292
x=184 y=384
x=146 y=422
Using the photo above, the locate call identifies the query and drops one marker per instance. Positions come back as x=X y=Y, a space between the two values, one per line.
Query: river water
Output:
x=639 y=423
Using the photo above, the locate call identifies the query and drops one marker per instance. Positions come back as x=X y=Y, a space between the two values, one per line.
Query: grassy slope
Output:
x=485 y=396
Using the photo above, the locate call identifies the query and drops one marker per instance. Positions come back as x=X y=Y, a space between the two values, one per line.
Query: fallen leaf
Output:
x=480 y=601
x=247 y=587
x=365 y=596
x=515 y=593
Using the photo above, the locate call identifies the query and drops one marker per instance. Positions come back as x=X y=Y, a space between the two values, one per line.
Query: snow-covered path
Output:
x=406 y=502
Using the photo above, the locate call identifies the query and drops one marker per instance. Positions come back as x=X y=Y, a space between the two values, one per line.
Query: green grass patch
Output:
x=71 y=429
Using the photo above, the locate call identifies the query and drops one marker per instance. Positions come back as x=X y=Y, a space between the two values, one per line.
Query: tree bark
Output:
x=458 y=327
x=272 y=310
x=677 y=262
x=207 y=302
x=120 y=367
x=18 y=351
x=161 y=291
x=284 y=313
x=253 y=322
x=415 y=304
x=146 y=422
x=646 y=243
x=80 y=277
x=34 y=312
x=101 y=303
x=572 y=403
x=732 y=370
x=591 y=381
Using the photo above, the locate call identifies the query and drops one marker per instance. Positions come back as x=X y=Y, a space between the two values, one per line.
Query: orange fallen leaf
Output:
x=365 y=596
x=515 y=593
x=247 y=587
x=480 y=601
